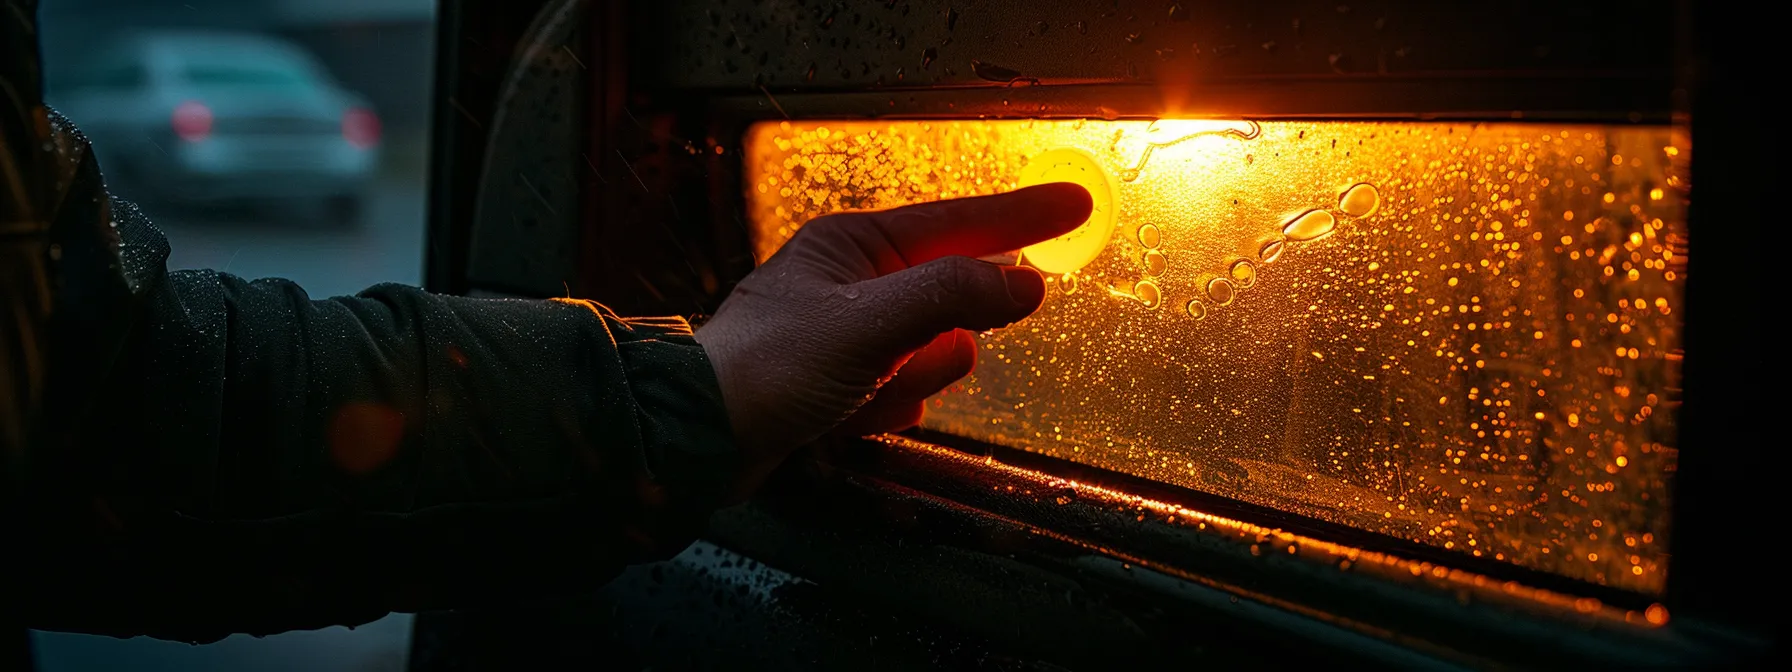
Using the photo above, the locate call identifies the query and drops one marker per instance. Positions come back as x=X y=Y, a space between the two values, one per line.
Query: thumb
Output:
x=909 y=308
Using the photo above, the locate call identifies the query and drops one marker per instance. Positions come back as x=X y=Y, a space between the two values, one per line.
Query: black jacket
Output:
x=189 y=454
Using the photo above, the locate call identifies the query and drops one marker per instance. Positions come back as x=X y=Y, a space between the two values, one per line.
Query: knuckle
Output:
x=959 y=274
x=808 y=232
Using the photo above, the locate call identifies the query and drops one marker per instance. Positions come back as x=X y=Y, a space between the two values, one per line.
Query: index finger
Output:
x=984 y=225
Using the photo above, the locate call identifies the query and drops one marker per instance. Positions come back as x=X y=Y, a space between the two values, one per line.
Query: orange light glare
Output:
x=1447 y=333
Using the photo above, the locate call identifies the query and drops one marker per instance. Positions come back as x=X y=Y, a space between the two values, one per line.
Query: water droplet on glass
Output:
x=951 y=18
x=1271 y=251
x=1041 y=27
x=810 y=75
x=1244 y=273
x=1177 y=13
x=1196 y=309
x=993 y=72
x=1155 y=262
x=927 y=56
x=1082 y=28
x=1068 y=282
x=1310 y=225
x=1147 y=293
x=1149 y=236
x=1360 y=200
x=850 y=291
x=1221 y=291
x=1133 y=38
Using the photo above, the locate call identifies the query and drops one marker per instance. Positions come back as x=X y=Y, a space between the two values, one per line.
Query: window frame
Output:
x=1714 y=612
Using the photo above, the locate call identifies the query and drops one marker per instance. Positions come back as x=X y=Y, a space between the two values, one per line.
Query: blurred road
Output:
x=326 y=257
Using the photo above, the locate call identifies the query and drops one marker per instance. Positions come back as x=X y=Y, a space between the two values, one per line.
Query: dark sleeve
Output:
x=248 y=459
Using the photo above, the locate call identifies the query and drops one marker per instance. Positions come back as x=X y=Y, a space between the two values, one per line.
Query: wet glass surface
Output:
x=1465 y=335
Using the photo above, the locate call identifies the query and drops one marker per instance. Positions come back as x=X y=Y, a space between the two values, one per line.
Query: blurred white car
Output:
x=202 y=117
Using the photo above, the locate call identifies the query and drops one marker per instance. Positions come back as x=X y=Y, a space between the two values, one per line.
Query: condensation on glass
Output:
x=1466 y=335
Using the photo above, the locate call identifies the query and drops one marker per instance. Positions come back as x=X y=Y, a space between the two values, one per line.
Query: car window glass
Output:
x=256 y=75
x=122 y=76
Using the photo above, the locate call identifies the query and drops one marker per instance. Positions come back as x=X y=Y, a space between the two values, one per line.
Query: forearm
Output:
x=278 y=462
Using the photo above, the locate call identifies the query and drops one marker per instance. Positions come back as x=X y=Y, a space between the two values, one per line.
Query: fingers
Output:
x=881 y=419
x=907 y=309
x=983 y=225
x=948 y=358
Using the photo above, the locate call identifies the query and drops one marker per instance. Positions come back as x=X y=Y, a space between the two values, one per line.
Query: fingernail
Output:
x=1003 y=259
x=1025 y=285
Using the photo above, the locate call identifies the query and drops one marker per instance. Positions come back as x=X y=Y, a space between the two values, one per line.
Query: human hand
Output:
x=863 y=315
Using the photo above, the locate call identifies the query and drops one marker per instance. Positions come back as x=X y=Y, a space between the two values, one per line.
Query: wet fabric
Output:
x=190 y=454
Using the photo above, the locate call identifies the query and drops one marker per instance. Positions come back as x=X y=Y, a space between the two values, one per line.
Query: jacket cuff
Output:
x=687 y=441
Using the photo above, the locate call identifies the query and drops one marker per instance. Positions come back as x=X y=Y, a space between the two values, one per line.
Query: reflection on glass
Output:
x=1461 y=334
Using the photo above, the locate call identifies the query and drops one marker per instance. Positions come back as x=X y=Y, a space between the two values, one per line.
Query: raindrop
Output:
x=1155 y=263
x=1082 y=28
x=1149 y=236
x=1133 y=38
x=993 y=72
x=1041 y=27
x=1221 y=291
x=1068 y=283
x=1244 y=273
x=810 y=75
x=1271 y=251
x=1196 y=309
x=1360 y=200
x=1310 y=225
x=927 y=56
x=951 y=18
x=1177 y=13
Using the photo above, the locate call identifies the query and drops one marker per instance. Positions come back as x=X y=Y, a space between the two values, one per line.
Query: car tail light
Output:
x=192 y=121
x=361 y=128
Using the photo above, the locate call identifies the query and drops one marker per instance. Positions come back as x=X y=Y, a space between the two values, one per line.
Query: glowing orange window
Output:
x=1461 y=334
